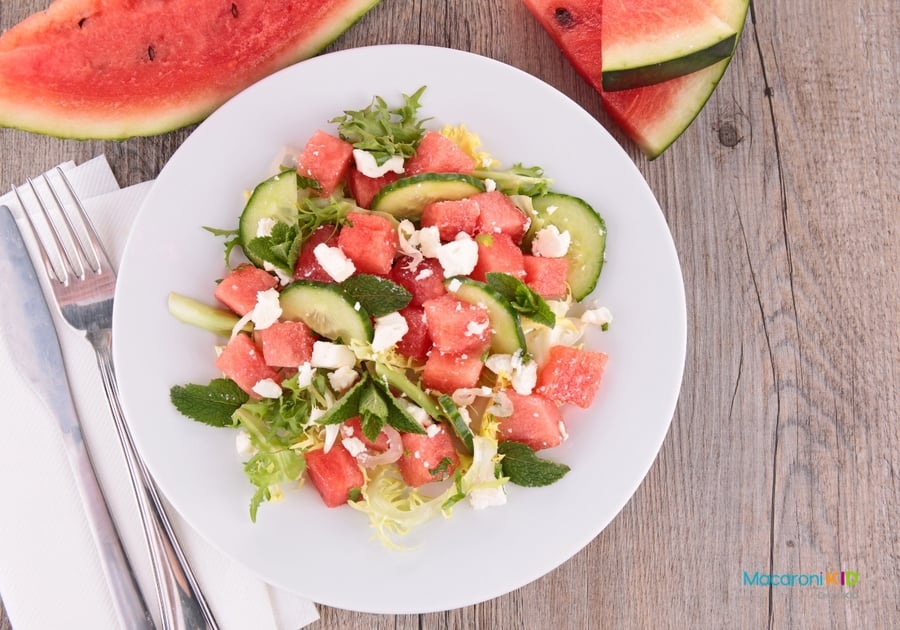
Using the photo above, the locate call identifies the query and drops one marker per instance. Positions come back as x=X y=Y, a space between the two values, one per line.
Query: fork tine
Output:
x=85 y=250
x=55 y=265
x=93 y=250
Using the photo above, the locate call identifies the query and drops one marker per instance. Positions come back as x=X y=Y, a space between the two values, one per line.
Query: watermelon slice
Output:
x=655 y=116
x=121 y=68
x=650 y=42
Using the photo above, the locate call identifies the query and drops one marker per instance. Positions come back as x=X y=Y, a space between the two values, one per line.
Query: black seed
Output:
x=81 y=22
x=151 y=52
x=564 y=18
x=234 y=10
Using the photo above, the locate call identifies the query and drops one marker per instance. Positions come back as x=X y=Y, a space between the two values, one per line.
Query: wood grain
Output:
x=783 y=203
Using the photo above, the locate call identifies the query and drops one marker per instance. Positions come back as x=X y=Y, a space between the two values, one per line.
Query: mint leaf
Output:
x=525 y=300
x=281 y=248
x=347 y=406
x=378 y=296
x=211 y=404
x=398 y=417
x=518 y=180
x=382 y=131
x=373 y=411
x=524 y=468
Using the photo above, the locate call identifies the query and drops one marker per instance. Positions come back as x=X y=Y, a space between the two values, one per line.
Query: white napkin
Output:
x=50 y=577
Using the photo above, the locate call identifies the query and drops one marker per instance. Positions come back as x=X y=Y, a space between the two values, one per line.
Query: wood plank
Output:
x=783 y=202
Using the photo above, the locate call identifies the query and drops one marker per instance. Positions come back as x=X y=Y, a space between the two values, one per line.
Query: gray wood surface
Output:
x=783 y=202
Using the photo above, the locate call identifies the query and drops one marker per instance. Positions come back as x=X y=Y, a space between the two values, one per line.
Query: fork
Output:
x=83 y=283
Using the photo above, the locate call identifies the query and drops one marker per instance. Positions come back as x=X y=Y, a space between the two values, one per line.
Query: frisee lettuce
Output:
x=383 y=131
x=394 y=509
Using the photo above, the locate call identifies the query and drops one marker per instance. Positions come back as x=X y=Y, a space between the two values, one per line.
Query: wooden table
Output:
x=783 y=202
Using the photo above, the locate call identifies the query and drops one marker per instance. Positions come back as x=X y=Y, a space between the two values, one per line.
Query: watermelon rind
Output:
x=654 y=135
x=644 y=43
x=634 y=77
x=48 y=84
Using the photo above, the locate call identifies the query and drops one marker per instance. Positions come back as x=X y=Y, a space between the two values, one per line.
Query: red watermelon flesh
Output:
x=574 y=26
x=120 y=68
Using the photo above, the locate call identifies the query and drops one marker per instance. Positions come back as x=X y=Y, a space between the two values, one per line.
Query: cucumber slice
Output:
x=190 y=311
x=274 y=198
x=326 y=309
x=462 y=430
x=405 y=198
x=508 y=336
x=587 y=230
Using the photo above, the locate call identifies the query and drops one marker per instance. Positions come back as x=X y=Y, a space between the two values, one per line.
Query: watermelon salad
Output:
x=401 y=321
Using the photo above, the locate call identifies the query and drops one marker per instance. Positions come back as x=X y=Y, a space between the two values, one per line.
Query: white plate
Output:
x=329 y=554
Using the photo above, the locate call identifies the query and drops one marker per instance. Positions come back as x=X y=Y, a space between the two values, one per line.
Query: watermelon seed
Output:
x=151 y=52
x=81 y=22
x=234 y=10
x=564 y=18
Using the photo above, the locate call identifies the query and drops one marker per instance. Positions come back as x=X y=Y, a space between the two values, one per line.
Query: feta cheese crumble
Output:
x=550 y=243
x=334 y=262
x=389 y=329
x=521 y=373
x=342 y=378
x=368 y=166
x=267 y=388
x=597 y=316
x=267 y=309
x=459 y=256
x=332 y=355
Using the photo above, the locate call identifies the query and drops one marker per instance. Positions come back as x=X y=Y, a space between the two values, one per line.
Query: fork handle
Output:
x=181 y=601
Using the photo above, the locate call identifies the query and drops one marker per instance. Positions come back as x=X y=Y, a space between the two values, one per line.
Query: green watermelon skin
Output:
x=112 y=69
x=650 y=41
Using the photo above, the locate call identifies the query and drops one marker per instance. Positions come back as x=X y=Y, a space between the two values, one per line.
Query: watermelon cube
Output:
x=547 y=276
x=239 y=288
x=498 y=252
x=425 y=280
x=438 y=154
x=423 y=457
x=286 y=344
x=416 y=343
x=535 y=421
x=451 y=217
x=242 y=361
x=498 y=214
x=307 y=266
x=571 y=375
x=326 y=159
x=370 y=241
x=364 y=188
x=446 y=372
x=334 y=474
x=456 y=326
